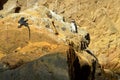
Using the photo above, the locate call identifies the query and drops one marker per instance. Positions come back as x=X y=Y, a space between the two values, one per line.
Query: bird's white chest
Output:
x=73 y=27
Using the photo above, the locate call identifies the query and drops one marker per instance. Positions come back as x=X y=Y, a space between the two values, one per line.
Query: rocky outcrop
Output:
x=78 y=68
x=49 y=23
x=2 y=2
x=101 y=19
x=84 y=65
x=48 y=67
x=14 y=6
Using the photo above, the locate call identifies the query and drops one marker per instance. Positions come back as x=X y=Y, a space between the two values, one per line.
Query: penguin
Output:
x=73 y=27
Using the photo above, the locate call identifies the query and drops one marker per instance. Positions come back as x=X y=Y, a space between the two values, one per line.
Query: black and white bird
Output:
x=73 y=26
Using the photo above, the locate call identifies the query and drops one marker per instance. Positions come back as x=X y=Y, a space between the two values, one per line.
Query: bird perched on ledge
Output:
x=73 y=27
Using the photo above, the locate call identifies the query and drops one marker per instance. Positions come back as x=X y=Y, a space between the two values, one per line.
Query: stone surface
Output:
x=48 y=67
x=98 y=17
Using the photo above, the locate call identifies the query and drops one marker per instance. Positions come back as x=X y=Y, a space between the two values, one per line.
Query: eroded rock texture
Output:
x=2 y=2
x=77 y=70
x=94 y=54
x=48 y=67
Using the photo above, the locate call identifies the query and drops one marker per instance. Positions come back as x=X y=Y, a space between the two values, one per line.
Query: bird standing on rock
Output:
x=74 y=27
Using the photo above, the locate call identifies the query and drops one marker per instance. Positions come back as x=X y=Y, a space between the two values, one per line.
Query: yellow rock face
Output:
x=99 y=17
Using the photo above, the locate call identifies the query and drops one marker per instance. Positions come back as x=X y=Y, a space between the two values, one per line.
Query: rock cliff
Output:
x=53 y=51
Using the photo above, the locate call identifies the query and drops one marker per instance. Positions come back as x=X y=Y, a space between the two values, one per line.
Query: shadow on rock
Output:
x=49 y=67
